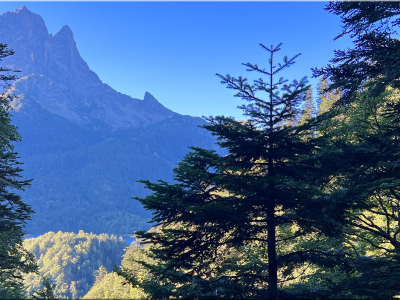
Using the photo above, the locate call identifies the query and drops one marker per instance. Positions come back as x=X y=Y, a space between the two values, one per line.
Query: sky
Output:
x=173 y=50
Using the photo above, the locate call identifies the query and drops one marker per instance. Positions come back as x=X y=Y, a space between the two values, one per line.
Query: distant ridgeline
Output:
x=85 y=144
x=71 y=260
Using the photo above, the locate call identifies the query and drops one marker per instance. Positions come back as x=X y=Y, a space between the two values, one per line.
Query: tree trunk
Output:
x=271 y=240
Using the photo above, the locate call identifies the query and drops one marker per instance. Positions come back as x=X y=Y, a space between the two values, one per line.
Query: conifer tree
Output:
x=47 y=292
x=309 y=110
x=100 y=274
x=14 y=213
x=326 y=98
x=374 y=58
x=240 y=225
x=367 y=136
x=366 y=140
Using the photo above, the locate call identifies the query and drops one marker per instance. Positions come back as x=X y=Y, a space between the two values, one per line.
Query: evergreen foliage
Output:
x=326 y=99
x=47 y=293
x=365 y=131
x=114 y=286
x=111 y=286
x=14 y=213
x=246 y=224
x=309 y=110
x=376 y=50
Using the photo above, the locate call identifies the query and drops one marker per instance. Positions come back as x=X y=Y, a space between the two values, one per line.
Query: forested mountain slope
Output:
x=85 y=144
x=71 y=260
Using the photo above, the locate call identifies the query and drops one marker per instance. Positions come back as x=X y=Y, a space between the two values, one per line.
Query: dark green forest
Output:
x=122 y=155
x=304 y=204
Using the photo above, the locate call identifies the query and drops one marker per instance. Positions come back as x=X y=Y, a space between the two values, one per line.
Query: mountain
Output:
x=85 y=144
x=54 y=75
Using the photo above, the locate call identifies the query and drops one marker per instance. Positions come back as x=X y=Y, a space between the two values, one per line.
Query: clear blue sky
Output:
x=174 y=49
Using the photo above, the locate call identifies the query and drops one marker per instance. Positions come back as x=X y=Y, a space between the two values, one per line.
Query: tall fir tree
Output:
x=242 y=225
x=14 y=213
x=366 y=134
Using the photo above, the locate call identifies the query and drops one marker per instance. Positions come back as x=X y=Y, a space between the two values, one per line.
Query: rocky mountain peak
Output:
x=65 y=32
x=55 y=76
x=149 y=97
x=23 y=21
x=22 y=9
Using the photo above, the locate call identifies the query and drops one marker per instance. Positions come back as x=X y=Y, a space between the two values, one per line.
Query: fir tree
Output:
x=100 y=274
x=233 y=223
x=374 y=58
x=14 y=213
x=366 y=134
x=47 y=292
x=326 y=98
x=309 y=110
x=365 y=138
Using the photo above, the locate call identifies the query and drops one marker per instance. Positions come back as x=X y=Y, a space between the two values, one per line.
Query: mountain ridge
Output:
x=85 y=144
x=57 y=59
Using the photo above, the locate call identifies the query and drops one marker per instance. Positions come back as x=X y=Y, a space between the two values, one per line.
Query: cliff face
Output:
x=85 y=144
